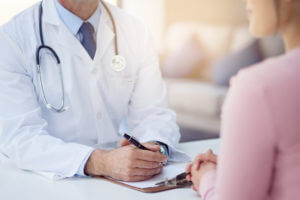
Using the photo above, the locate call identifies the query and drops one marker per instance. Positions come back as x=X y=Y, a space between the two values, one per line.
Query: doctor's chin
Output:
x=149 y=99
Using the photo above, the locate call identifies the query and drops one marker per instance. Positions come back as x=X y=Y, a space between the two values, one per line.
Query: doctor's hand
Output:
x=126 y=163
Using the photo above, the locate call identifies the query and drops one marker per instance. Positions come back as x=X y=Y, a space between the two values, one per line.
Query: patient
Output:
x=260 y=143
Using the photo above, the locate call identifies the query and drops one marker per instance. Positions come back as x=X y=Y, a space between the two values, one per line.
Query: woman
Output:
x=260 y=143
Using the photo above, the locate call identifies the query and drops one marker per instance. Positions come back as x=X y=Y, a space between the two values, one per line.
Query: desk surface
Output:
x=16 y=184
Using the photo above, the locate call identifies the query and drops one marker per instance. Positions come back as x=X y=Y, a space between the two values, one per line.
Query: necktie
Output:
x=88 y=42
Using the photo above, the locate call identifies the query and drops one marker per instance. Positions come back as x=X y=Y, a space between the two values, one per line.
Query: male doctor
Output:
x=82 y=139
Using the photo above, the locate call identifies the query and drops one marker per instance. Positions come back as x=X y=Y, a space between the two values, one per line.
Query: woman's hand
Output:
x=201 y=164
x=208 y=156
x=196 y=175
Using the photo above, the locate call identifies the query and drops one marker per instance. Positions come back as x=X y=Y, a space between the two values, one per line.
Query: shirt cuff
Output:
x=165 y=147
x=80 y=171
x=207 y=183
x=175 y=155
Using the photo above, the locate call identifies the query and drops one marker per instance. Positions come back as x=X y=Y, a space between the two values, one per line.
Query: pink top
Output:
x=260 y=146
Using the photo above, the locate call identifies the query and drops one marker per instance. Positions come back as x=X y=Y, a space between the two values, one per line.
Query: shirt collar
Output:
x=73 y=22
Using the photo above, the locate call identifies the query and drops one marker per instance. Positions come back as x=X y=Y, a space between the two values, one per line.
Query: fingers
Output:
x=189 y=177
x=188 y=168
x=194 y=169
x=144 y=172
x=146 y=164
x=124 y=142
x=136 y=174
x=209 y=151
x=150 y=156
x=204 y=158
x=198 y=163
x=209 y=156
x=129 y=163
x=152 y=147
x=198 y=160
x=194 y=188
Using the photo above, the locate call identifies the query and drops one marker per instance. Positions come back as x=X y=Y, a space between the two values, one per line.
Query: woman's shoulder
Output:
x=276 y=72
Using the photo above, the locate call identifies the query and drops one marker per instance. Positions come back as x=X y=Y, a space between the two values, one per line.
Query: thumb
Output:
x=209 y=151
x=124 y=142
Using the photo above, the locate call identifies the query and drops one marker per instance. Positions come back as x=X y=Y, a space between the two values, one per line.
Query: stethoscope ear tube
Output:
x=62 y=107
x=114 y=27
x=40 y=23
x=38 y=51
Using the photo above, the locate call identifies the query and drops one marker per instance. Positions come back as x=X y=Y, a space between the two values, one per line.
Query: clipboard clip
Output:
x=179 y=181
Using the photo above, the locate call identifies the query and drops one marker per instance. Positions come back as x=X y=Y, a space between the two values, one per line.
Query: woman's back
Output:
x=280 y=78
x=260 y=140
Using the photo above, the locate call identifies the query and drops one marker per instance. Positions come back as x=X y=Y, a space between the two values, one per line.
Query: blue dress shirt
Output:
x=73 y=22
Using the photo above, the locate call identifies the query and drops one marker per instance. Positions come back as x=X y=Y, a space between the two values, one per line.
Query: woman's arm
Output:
x=247 y=145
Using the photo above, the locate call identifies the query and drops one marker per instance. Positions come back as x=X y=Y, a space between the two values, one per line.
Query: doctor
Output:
x=71 y=73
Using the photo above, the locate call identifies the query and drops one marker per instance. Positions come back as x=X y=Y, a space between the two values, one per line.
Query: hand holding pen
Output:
x=127 y=163
x=135 y=142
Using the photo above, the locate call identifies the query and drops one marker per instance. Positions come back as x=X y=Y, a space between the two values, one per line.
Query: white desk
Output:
x=16 y=184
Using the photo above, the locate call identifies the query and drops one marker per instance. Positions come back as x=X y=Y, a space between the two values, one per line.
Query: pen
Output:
x=134 y=141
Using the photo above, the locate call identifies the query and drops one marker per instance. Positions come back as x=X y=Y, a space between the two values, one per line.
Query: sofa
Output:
x=198 y=61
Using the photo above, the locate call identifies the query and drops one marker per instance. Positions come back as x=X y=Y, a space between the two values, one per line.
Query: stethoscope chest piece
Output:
x=118 y=63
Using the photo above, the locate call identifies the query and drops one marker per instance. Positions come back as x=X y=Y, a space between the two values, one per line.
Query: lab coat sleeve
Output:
x=23 y=132
x=149 y=117
x=80 y=171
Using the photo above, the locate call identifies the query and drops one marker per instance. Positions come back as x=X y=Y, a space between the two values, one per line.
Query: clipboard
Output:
x=145 y=190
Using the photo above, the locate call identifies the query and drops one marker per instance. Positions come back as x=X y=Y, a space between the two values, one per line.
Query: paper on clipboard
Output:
x=169 y=171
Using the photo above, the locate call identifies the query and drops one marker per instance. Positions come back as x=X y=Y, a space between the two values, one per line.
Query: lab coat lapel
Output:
x=50 y=15
x=105 y=34
x=70 y=43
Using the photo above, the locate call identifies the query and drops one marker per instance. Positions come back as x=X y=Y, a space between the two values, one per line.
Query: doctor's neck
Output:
x=81 y=8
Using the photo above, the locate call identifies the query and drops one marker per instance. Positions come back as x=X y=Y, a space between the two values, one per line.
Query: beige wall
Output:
x=207 y=11
x=144 y=10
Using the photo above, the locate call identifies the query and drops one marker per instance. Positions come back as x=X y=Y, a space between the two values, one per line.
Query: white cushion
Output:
x=185 y=60
x=195 y=97
x=241 y=39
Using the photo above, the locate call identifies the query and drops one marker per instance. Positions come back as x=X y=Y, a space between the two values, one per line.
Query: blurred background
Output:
x=201 y=45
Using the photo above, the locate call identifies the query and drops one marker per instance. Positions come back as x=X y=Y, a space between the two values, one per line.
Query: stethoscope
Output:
x=118 y=62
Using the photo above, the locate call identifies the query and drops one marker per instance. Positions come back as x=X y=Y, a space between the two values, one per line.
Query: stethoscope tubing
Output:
x=62 y=107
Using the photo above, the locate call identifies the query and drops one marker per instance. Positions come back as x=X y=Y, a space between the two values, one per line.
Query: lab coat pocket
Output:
x=121 y=89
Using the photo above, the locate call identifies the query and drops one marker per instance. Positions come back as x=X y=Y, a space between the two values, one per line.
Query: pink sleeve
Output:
x=247 y=145
x=207 y=185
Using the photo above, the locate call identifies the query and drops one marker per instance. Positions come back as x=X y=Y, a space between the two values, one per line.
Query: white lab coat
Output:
x=99 y=98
